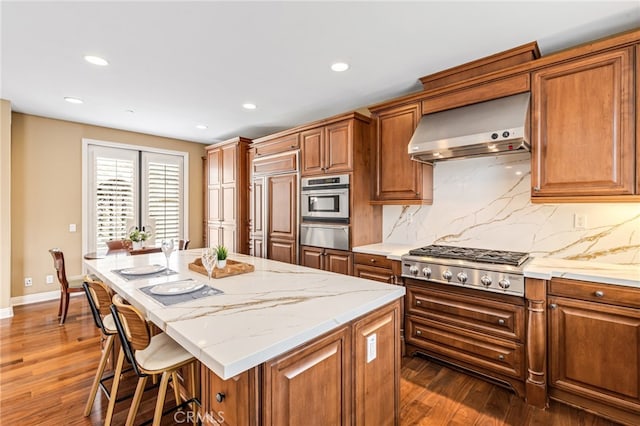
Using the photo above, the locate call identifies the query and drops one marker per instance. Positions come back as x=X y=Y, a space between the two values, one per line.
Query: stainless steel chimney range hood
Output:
x=494 y=127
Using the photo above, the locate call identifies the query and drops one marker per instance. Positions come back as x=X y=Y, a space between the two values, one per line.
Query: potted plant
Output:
x=138 y=237
x=221 y=254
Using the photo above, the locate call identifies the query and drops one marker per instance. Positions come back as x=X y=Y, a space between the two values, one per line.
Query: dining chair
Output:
x=118 y=245
x=183 y=244
x=66 y=287
x=99 y=296
x=149 y=355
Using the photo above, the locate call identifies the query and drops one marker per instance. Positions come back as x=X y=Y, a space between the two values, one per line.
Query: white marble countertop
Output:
x=607 y=273
x=540 y=267
x=391 y=251
x=261 y=314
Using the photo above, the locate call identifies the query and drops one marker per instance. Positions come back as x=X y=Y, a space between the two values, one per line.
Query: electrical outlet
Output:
x=371 y=347
x=579 y=221
x=28 y=282
x=49 y=279
x=409 y=217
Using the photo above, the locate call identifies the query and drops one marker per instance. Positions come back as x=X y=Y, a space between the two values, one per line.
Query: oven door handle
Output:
x=319 y=225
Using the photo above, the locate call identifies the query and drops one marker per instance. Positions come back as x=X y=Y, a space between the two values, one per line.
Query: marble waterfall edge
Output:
x=485 y=202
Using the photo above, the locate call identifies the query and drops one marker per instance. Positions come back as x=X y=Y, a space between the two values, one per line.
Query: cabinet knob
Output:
x=292 y=146
x=501 y=357
x=536 y=188
x=553 y=306
x=419 y=333
x=220 y=396
x=501 y=321
x=599 y=293
x=418 y=302
x=373 y=261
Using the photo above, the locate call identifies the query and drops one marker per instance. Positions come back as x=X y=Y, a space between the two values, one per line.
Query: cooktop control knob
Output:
x=505 y=134
x=494 y=136
x=413 y=270
x=504 y=283
x=426 y=272
x=485 y=280
x=462 y=277
x=447 y=275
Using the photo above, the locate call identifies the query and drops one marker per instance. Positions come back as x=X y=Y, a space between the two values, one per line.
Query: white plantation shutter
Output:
x=129 y=187
x=163 y=195
x=114 y=193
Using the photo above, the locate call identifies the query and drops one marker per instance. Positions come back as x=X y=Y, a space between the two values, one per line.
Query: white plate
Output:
x=143 y=270
x=178 y=287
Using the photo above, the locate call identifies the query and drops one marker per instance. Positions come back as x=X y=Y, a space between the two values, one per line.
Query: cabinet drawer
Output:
x=374 y=273
x=500 y=319
x=275 y=146
x=604 y=293
x=500 y=356
x=372 y=260
x=275 y=164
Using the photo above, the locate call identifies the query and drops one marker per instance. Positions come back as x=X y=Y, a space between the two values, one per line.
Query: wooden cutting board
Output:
x=233 y=268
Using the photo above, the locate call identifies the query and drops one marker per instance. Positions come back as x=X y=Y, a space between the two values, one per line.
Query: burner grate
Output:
x=472 y=254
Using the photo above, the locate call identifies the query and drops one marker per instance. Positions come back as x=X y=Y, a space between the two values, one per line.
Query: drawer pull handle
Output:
x=373 y=261
x=599 y=293
x=553 y=306
x=220 y=396
x=501 y=321
x=501 y=357
x=418 y=302
x=419 y=333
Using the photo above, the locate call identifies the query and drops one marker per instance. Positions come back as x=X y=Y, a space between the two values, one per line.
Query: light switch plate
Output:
x=72 y=227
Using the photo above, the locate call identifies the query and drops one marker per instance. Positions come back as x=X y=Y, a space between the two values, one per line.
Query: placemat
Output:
x=172 y=299
x=145 y=276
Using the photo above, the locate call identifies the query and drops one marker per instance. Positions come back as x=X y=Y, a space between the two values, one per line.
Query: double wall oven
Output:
x=324 y=205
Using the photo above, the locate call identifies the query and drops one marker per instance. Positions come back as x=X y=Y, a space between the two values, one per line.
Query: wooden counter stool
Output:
x=66 y=287
x=149 y=355
x=99 y=298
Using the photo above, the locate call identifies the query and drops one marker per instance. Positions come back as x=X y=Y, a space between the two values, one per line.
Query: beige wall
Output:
x=47 y=193
x=5 y=205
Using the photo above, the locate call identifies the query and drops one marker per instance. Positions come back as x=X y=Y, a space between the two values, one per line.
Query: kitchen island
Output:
x=284 y=344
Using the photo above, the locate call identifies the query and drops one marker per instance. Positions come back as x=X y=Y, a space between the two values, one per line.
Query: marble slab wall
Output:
x=485 y=203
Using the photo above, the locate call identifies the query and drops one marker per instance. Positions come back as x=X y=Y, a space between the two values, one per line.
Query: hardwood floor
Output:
x=46 y=371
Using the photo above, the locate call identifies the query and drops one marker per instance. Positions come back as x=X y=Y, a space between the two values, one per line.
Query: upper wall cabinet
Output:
x=327 y=149
x=399 y=180
x=583 y=132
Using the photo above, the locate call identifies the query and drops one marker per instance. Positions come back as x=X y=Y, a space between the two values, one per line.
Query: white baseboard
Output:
x=6 y=312
x=35 y=298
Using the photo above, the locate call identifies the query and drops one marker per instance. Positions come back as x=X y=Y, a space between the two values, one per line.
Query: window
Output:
x=126 y=188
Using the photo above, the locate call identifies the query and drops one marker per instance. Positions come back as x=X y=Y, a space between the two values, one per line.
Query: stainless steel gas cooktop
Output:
x=490 y=270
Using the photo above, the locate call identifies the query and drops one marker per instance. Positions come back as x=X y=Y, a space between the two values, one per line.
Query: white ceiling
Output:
x=178 y=64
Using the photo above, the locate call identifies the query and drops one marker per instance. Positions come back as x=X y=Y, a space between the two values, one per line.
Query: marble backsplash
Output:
x=485 y=203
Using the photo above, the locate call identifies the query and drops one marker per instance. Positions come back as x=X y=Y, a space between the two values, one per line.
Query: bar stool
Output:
x=99 y=298
x=149 y=355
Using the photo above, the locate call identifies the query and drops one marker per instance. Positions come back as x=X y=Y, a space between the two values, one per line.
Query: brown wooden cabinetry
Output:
x=583 y=138
x=594 y=347
x=339 y=261
x=282 y=198
x=225 y=198
x=399 y=180
x=229 y=402
x=377 y=268
x=480 y=332
x=327 y=149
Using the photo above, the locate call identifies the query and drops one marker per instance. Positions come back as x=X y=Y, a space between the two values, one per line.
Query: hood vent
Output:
x=488 y=128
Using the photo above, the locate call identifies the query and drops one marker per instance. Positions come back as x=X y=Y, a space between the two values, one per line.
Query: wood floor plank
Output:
x=46 y=371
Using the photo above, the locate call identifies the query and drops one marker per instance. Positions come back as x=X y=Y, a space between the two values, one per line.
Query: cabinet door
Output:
x=376 y=341
x=314 y=379
x=312 y=150
x=214 y=203
x=229 y=402
x=228 y=195
x=283 y=210
x=229 y=164
x=338 y=147
x=397 y=176
x=338 y=261
x=311 y=257
x=374 y=273
x=214 y=235
x=594 y=351
x=214 y=165
x=229 y=237
x=257 y=217
x=583 y=129
x=282 y=250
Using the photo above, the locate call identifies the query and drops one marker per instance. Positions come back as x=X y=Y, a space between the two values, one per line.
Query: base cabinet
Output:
x=338 y=261
x=349 y=376
x=594 y=349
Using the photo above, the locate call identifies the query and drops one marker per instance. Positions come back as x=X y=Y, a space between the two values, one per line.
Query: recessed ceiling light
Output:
x=201 y=127
x=340 y=66
x=129 y=111
x=73 y=100
x=249 y=106
x=96 y=60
